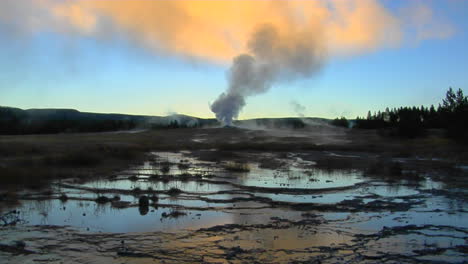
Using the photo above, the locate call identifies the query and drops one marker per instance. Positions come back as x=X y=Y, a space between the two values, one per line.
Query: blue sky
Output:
x=51 y=70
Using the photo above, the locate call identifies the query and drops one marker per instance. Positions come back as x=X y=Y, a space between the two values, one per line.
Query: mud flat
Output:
x=208 y=205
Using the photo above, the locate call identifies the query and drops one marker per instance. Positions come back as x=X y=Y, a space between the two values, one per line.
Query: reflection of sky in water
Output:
x=187 y=186
x=429 y=184
x=106 y=218
x=91 y=195
x=339 y=196
x=296 y=178
x=225 y=196
x=406 y=244
x=174 y=159
x=150 y=168
x=392 y=190
x=421 y=215
x=203 y=204
x=322 y=198
x=290 y=238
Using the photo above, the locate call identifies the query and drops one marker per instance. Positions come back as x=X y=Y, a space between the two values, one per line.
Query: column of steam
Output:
x=273 y=57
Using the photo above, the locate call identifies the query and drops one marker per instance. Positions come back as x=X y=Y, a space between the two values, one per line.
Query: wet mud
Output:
x=208 y=206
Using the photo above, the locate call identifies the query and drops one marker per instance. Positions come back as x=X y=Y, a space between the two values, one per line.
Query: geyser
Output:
x=273 y=57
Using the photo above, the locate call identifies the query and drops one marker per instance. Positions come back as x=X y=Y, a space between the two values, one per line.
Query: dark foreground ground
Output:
x=229 y=195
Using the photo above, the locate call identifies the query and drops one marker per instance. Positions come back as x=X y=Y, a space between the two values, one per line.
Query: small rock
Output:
x=143 y=201
x=20 y=244
x=102 y=200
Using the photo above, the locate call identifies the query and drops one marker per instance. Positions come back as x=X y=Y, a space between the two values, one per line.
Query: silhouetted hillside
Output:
x=47 y=121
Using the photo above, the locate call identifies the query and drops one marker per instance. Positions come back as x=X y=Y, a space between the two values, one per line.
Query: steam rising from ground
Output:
x=274 y=57
x=298 y=108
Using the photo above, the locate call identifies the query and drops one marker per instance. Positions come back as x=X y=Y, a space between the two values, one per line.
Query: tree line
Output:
x=19 y=126
x=451 y=115
x=14 y=121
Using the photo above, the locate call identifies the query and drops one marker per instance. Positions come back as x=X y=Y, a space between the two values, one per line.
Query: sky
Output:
x=158 y=57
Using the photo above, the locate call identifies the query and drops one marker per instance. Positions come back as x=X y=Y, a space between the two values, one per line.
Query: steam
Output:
x=298 y=108
x=274 y=57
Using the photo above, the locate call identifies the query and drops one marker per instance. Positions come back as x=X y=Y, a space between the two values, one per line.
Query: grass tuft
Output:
x=237 y=167
x=174 y=191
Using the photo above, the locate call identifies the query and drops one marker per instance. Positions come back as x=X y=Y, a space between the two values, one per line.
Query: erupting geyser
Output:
x=273 y=57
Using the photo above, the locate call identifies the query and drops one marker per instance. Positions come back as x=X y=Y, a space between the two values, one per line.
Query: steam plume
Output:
x=274 y=57
x=298 y=108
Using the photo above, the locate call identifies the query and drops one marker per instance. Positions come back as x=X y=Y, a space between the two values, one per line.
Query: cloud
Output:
x=219 y=30
x=423 y=23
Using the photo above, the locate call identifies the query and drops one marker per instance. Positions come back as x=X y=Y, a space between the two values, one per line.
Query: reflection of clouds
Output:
x=106 y=218
x=289 y=238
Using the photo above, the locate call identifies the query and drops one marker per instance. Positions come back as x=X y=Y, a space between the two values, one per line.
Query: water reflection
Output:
x=297 y=178
x=219 y=198
x=143 y=209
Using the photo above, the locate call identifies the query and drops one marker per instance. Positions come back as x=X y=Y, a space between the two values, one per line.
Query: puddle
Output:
x=287 y=239
x=331 y=198
x=214 y=191
x=104 y=218
x=296 y=178
x=295 y=210
x=148 y=185
x=435 y=210
x=392 y=190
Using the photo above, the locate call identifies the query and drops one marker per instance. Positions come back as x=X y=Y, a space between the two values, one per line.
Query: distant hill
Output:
x=41 y=121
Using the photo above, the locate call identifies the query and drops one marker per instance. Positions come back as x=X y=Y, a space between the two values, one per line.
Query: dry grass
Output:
x=337 y=163
x=34 y=160
x=237 y=166
x=174 y=191
x=271 y=163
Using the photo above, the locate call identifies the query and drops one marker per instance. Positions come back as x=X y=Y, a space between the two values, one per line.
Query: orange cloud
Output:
x=79 y=17
x=362 y=26
x=217 y=30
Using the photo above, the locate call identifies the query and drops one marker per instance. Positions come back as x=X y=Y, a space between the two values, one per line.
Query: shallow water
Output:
x=296 y=178
x=143 y=184
x=292 y=208
x=200 y=195
x=195 y=200
x=105 y=218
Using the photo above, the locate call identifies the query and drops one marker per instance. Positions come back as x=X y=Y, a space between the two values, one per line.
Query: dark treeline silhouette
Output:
x=14 y=121
x=451 y=115
x=277 y=123
x=182 y=124
x=340 y=122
